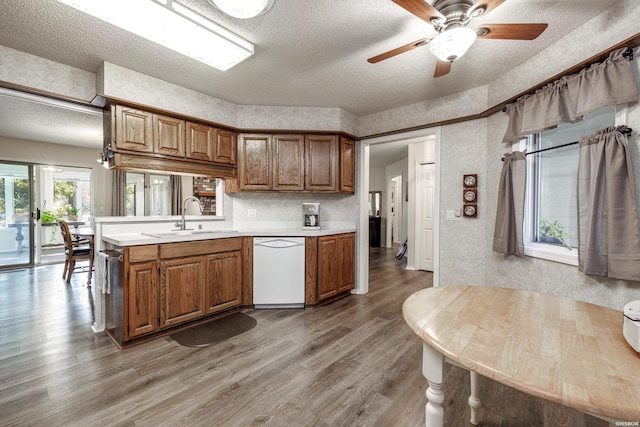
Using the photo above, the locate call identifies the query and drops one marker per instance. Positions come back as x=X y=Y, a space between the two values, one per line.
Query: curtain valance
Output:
x=568 y=99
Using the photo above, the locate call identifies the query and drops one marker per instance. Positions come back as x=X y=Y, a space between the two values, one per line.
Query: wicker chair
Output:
x=74 y=249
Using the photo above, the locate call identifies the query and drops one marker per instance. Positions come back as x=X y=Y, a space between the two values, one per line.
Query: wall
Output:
x=285 y=209
x=547 y=276
x=462 y=242
x=476 y=147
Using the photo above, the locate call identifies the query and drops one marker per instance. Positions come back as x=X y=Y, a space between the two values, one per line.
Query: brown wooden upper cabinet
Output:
x=145 y=132
x=225 y=149
x=133 y=129
x=199 y=141
x=254 y=165
x=287 y=152
x=321 y=166
x=347 y=165
x=296 y=162
x=168 y=135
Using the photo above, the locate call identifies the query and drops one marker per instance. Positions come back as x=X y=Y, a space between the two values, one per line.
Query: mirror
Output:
x=375 y=203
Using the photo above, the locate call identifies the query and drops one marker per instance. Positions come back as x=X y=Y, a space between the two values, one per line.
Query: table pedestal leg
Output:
x=474 y=400
x=433 y=371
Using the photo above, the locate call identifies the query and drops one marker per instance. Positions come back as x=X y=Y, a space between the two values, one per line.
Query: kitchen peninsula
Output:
x=161 y=280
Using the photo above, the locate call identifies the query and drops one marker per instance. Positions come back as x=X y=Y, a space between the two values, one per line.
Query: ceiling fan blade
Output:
x=421 y=9
x=398 y=51
x=487 y=5
x=511 y=31
x=442 y=68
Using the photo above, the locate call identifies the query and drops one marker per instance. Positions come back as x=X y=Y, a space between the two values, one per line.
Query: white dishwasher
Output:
x=278 y=272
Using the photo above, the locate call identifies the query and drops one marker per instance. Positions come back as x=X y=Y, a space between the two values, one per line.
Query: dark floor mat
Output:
x=214 y=331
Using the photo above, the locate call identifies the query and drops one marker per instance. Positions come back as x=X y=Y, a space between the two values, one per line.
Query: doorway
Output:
x=395 y=232
x=423 y=147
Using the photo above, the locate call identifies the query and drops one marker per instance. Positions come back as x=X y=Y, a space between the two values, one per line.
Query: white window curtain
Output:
x=608 y=233
x=568 y=99
x=507 y=235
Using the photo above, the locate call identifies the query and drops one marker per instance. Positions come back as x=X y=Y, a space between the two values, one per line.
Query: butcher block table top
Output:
x=566 y=351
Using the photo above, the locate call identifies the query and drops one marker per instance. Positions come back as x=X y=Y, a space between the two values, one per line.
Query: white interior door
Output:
x=426 y=174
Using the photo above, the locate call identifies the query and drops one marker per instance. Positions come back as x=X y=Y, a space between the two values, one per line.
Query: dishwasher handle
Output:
x=277 y=243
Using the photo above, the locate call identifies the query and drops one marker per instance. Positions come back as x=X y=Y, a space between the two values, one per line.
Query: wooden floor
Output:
x=350 y=363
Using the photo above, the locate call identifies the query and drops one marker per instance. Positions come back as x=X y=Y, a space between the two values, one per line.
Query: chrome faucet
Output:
x=182 y=224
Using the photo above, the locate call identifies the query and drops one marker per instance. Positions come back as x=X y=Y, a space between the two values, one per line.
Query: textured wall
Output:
x=45 y=75
x=300 y=118
x=462 y=151
x=285 y=209
x=461 y=104
x=125 y=84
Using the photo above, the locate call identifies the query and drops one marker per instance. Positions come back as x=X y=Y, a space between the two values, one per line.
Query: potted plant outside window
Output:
x=553 y=232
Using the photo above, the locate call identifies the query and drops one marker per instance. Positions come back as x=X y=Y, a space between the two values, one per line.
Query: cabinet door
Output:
x=347 y=250
x=254 y=166
x=347 y=165
x=199 y=141
x=288 y=162
x=328 y=268
x=223 y=284
x=168 y=135
x=321 y=153
x=225 y=147
x=141 y=296
x=133 y=129
x=181 y=287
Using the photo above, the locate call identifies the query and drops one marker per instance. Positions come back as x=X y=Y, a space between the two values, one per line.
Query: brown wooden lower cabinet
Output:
x=223 y=288
x=181 y=290
x=141 y=299
x=160 y=286
x=330 y=267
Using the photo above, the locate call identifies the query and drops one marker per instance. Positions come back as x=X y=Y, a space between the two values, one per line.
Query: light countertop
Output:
x=150 y=238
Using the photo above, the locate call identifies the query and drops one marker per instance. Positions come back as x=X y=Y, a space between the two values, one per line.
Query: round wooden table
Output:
x=566 y=351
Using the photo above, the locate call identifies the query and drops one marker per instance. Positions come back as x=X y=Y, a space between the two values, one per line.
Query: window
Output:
x=148 y=194
x=551 y=220
x=66 y=192
x=151 y=194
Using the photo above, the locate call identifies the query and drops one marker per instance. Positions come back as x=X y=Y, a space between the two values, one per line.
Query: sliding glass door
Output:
x=33 y=198
x=16 y=224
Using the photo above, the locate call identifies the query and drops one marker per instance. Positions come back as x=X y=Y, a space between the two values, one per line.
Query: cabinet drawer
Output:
x=141 y=253
x=200 y=247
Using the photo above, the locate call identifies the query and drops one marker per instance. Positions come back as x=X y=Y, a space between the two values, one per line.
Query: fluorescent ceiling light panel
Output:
x=171 y=25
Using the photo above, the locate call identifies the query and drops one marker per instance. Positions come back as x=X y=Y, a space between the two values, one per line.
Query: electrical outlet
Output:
x=251 y=213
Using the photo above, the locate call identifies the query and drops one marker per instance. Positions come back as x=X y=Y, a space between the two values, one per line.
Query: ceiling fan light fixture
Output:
x=243 y=9
x=451 y=44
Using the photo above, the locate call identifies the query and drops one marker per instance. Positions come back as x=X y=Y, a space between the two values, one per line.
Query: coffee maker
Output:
x=311 y=215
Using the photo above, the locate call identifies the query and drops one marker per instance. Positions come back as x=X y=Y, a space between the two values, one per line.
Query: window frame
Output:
x=546 y=251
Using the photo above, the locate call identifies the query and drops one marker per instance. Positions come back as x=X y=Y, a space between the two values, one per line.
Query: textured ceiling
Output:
x=308 y=52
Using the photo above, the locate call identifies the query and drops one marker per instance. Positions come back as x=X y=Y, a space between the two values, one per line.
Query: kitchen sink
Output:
x=180 y=233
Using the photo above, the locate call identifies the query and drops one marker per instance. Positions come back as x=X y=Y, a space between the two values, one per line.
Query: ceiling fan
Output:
x=450 y=19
